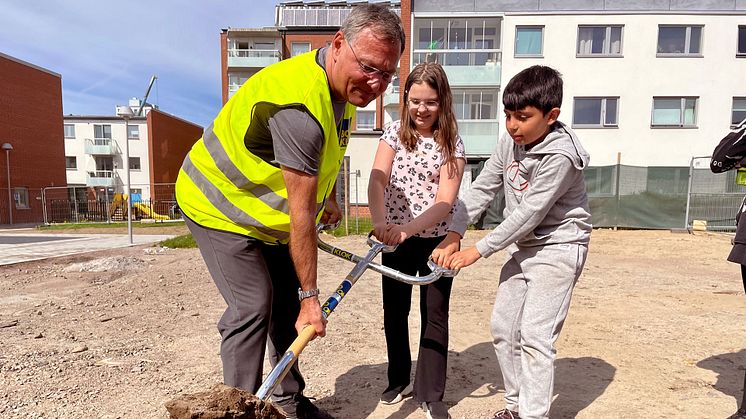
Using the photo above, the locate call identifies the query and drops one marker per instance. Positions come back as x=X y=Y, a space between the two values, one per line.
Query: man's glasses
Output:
x=371 y=71
x=431 y=105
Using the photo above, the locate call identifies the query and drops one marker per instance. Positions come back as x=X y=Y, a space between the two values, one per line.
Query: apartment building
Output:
x=32 y=153
x=95 y=153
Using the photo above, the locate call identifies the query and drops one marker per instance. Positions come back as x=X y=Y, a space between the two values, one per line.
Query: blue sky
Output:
x=107 y=51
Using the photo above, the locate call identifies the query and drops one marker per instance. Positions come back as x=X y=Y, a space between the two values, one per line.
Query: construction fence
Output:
x=100 y=204
x=620 y=196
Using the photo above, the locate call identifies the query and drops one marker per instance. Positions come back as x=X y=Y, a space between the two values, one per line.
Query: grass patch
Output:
x=185 y=241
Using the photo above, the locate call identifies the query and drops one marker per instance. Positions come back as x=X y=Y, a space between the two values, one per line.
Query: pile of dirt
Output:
x=222 y=402
x=109 y=264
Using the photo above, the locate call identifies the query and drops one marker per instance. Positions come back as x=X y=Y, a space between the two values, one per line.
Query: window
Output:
x=739 y=110
x=443 y=40
x=599 y=40
x=134 y=163
x=71 y=163
x=365 y=120
x=69 y=131
x=475 y=104
x=133 y=132
x=679 y=40
x=674 y=112
x=20 y=196
x=102 y=131
x=529 y=41
x=741 y=52
x=297 y=48
x=595 y=112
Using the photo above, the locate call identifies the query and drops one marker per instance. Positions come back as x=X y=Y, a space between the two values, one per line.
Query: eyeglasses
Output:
x=371 y=71
x=429 y=104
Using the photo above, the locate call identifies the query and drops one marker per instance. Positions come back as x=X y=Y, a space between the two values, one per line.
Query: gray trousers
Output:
x=530 y=308
x=260 y=286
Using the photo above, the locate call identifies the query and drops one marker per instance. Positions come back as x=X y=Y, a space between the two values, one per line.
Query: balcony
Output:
x=100 y=147
x=479 y=135
x=465 y=67
x=105 y=178
x=252 y=58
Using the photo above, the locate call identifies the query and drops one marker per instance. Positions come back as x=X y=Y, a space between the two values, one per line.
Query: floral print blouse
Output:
x=413 y=184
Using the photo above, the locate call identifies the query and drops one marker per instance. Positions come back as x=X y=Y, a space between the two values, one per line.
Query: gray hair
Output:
x=387 y=24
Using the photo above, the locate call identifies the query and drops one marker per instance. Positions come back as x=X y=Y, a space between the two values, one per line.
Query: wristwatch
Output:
x=305 y=294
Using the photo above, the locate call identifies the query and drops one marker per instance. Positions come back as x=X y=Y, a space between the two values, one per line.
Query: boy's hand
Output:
x=463 y=258
x=448 y=246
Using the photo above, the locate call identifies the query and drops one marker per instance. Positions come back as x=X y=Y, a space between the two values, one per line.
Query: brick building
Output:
x=31 y=122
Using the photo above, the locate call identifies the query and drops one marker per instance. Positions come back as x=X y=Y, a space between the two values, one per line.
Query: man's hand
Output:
x=310 y=314
x=446 y=248
x=332 y=212
x=463 y=258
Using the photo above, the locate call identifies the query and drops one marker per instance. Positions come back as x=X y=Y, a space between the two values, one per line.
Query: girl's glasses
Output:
x=428 y=104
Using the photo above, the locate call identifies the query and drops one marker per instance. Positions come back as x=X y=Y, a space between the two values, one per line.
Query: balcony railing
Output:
x=259 y=58
x=100 y=147
x=479 y=135
x=465 y=67
x=101 y=178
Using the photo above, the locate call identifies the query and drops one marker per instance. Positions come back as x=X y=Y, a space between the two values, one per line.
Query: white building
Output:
x=653 y=83
x=95 y=154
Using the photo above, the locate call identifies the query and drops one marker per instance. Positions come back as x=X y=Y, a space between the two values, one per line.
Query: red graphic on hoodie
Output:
x=516 y=176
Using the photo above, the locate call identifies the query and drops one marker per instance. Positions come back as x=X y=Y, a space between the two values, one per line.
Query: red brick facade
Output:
x=224 y=65
x=169 y=140
x=31 y=121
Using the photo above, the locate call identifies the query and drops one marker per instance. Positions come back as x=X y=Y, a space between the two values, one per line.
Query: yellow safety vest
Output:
x=224 y=185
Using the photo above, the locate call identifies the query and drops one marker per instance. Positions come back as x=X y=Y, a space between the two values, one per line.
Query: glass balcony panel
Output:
x=259 y=58
x=465 y=67
x=101 y=178
x=100 y=147
x=479 y=135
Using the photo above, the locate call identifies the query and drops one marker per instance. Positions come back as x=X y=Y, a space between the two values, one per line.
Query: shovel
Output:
x=361 y=264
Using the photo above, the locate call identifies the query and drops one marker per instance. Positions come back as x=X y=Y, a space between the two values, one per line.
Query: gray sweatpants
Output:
x=260 y=286
x=532 y=300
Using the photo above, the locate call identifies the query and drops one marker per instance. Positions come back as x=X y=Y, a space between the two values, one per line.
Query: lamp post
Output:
x=7 y=147
x=125 y=112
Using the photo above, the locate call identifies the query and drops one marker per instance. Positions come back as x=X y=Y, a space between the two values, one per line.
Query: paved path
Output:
x=19 y=246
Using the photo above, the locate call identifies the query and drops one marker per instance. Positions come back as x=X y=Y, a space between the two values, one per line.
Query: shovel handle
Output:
x=285 y=363
x=305 y=336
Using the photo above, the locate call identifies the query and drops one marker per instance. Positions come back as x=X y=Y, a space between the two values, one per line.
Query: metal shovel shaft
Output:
x=307 y=334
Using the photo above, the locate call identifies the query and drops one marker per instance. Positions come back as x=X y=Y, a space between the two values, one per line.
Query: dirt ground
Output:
x=656 y=330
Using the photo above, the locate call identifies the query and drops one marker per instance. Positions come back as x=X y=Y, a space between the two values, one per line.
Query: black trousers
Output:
x=260 y=286
x=411 y=258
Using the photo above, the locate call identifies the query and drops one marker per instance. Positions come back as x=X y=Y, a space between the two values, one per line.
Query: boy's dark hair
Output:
x=538 y=86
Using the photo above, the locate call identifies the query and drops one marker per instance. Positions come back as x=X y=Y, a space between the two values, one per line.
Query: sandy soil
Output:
x=656 y=330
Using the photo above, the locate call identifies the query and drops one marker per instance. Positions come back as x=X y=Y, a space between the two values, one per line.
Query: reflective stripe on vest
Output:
x=224 y=205
x=225 y=164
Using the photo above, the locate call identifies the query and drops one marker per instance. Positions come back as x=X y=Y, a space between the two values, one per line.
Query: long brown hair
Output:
x=445 y=128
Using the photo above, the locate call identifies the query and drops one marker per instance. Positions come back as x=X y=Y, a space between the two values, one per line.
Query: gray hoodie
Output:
x=545 y=196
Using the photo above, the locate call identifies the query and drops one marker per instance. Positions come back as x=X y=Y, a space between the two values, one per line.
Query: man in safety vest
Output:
x=254 y=186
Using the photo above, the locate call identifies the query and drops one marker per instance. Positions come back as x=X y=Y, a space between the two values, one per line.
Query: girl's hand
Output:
x=463 y=258
x=395 y=234
x=379 y=230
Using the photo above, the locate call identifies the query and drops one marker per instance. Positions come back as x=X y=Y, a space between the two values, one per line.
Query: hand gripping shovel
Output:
x=361 y=264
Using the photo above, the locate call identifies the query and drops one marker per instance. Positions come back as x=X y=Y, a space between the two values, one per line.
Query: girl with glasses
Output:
x=413 y=188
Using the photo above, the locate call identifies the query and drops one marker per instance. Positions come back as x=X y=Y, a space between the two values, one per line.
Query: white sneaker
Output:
x=435 y=410
x=394 y=395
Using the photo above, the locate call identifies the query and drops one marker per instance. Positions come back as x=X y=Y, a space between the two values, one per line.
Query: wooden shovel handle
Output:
x=305 y=336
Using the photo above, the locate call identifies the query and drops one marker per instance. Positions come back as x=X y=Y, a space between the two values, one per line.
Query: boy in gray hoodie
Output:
x=539 y=166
